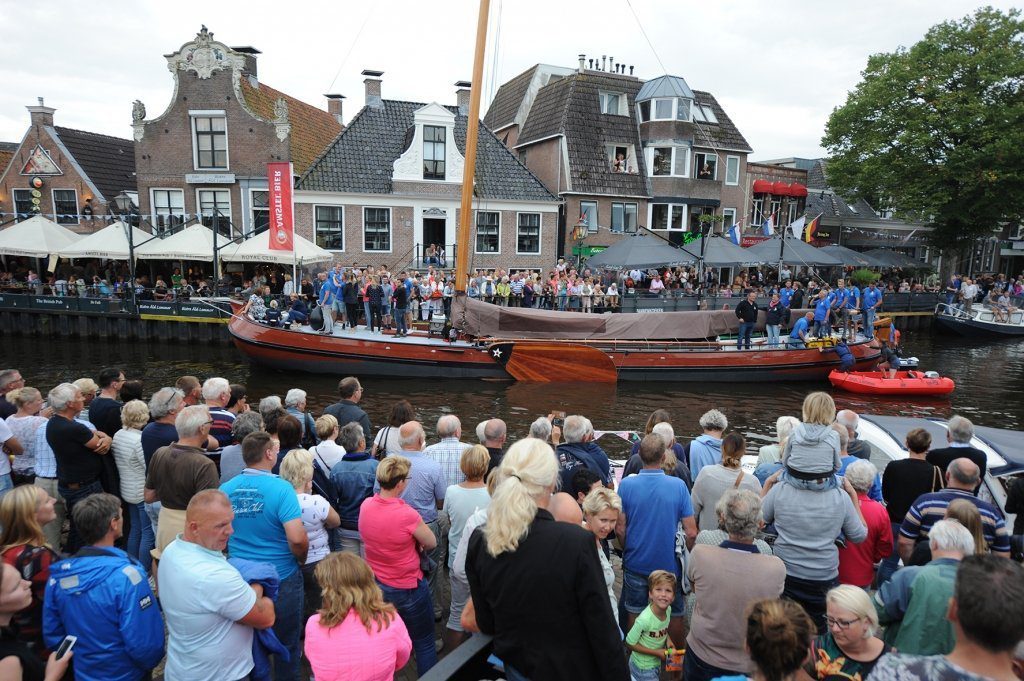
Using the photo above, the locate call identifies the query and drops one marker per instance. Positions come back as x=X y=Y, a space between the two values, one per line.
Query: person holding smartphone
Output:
x=15 y=656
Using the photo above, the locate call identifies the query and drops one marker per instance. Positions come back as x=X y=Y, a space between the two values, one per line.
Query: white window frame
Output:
x=757 y=212
x=708 y=114
x=155 y=217
x=672 y=207
x=228 y=215
x=728 y=161
x=444 y=147
x=636 y=217
x=53 y=202
x=476 y=235
x=696 y=170
x=673 y=164
x=775 y=207
x=728 y=221
x=316 y=222
x=620 y=110
x=540 y=232
x=251 y=227
x=674 y=101
x=591 y=228
x=14 y=203
x=209 y=113
x=791 y=209
x=391 y=229
x=609 y=150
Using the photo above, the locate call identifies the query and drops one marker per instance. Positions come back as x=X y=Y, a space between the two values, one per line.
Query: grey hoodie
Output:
x=813 y=448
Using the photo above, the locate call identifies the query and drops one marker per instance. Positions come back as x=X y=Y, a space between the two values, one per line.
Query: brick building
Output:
x=390 y=185
x=207 y=154
x=777 y=190
x=68 y=176
x=623 y=153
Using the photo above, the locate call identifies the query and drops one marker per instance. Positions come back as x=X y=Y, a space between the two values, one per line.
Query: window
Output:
x=728 y=218
x=260 y=205
x=669 y=161
x=681 y=162
x=215 y=209
x=732 y=170
x=376 y=229
x=588 y=215
x=433 y=152
x=776 y=205
x=695 y=214
x=665 y=216
x=709 y=115
x=683 y=109
x=488 y=231
x=663 y=109
x=330 y=227
x=168 y=208
x=624 y=217
x=645 y=111
x=65 y=205
x=621 y=158
x=528 y=234
x=211 y=141
x=757 y=212
x=23 y=206
x=791 y=212
x=705 y=166
x=611 y=103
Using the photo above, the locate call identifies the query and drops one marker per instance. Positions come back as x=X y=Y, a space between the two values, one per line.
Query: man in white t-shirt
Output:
x=210 y=610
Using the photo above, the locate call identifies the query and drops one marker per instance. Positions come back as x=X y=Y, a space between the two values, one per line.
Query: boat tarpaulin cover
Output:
x=482 y=320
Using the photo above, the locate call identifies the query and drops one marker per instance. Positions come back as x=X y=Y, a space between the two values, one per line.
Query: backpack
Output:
x=322 y=483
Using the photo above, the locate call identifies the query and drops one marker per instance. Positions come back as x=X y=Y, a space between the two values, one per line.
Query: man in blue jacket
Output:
x=579 y=449
x=102 y=596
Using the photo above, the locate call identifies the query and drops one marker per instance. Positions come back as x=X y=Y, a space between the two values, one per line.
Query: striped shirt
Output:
x=448 y=453
x=931 y=508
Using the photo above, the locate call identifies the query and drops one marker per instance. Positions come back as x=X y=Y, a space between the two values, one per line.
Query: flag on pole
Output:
x=734 y=233
x=769 y=225
x=797 y=227
x=811 y=229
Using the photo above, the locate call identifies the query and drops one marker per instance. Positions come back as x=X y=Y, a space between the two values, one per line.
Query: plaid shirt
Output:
x=45 y=463
x=448 y=453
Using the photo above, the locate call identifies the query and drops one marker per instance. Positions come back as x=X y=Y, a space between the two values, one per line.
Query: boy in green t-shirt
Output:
x=648 y=639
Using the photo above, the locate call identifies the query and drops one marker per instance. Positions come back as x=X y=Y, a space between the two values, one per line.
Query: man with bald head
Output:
x=210 y=610
x=448 y=451
x=495 y=434
x=962 y=478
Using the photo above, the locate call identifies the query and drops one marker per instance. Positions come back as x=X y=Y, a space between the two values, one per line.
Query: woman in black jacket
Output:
x=537 y=584
x=350 y=295
x=775 y=316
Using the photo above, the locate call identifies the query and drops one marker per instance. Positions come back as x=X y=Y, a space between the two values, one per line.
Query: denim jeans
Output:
x=743 y=340
x=774 y=333
x=636 y=674
x=811 y=595
x=821 y=326
x=696 y=669
x=350 y=541
x=153 y=511
x=141 y=539
x=795 y=343
x=869 y=321
x=366 y=313
x=889 y=565
x=636 y=596
x=400 y=326
x=72 y=497
x=6 y=483
x=415 y=608
x=288 y=625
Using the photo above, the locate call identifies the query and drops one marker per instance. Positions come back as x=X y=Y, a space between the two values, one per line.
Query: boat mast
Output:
x=472 y=130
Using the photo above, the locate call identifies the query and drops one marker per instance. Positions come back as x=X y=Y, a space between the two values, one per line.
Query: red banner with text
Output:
x=282 y=207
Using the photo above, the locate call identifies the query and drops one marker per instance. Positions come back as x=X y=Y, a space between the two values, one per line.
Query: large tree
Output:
x=937 y=130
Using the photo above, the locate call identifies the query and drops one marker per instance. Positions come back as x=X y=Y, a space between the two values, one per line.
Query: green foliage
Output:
x=937 y=130
x=862 y=277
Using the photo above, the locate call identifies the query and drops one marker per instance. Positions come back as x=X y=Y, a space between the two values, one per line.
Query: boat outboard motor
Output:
x=931 y=374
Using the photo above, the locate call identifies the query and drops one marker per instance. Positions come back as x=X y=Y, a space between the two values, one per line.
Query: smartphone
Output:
x=558 y=418
x=67 y=644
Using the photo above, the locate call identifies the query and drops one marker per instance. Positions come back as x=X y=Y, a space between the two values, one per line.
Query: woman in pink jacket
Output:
x=355 y=636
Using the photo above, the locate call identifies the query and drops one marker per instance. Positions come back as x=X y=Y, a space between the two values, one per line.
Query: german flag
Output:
x=811 y=228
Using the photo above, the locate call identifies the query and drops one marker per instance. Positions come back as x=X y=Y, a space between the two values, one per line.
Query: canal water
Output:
x=989 y=378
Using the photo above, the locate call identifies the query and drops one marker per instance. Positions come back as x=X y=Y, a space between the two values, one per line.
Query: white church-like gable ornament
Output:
x=205 y=56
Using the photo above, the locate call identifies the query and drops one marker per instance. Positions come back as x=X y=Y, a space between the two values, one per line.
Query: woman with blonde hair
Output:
x=24 y=425
x=849 y=649
x=355 y=636
x=967 y=514
x=318 y=516
x=131 y=468
x=601 y=510
x=23 y=512
x=534 y=580
x=394 y=538
x=715 y=480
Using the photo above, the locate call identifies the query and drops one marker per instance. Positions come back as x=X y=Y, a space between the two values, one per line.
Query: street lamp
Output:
x=579 y=235
x=126 y=208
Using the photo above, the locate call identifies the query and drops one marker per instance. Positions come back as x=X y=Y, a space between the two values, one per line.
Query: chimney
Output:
x=42 y=114
x=250 y=54
x=372 y=83
x=462 y=92
x=631 y=69
x=334 y=107
x=583 y=58
x=604 y=57
x=591 y=64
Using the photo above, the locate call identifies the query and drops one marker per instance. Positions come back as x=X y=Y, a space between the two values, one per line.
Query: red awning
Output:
x=797 y=189
x=780 y=189
x=762 y=187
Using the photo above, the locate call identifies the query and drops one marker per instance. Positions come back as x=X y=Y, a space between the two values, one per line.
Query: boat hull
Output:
x=973 y=328
x=876 y=383
x=417 y=356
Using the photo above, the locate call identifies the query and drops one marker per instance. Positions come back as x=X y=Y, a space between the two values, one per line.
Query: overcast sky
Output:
x=778 y=68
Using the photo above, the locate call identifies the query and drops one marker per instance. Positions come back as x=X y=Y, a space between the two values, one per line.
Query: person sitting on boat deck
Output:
x=813 y=452
x=273 y=315
x=798 y=334
x=298 y=312
x=746 y=311
x=706 y=449
x=890 y=360
x=345 y=409
x=579 y=449
x=255 y=308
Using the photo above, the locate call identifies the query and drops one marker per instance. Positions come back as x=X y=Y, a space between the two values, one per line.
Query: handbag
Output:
x=427 y=564
x=937 y=481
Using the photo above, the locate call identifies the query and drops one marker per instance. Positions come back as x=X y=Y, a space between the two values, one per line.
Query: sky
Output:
x=777 y=68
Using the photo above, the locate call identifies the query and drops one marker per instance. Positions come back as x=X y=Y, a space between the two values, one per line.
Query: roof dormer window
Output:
x=665 y=109
x=613 y=103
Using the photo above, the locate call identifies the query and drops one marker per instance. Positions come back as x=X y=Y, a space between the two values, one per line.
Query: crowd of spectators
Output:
x=159 y=533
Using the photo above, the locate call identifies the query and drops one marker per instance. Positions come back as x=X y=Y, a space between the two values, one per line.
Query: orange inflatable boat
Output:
x=879 y=383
